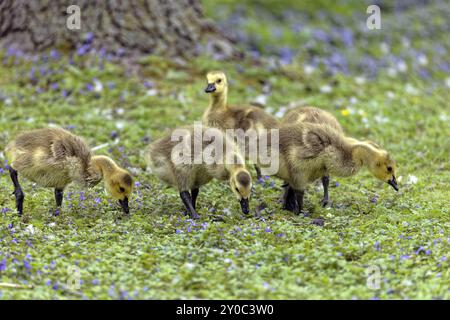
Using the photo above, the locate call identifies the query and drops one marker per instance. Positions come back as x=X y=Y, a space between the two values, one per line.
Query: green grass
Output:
x=157 y=253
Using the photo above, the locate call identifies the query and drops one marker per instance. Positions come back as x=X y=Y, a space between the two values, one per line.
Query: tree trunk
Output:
x=133 y=27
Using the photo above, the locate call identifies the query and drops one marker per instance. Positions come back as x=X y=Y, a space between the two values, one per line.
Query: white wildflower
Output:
x=384 y=48
x=410 y=89
x=360 y=80
x=98 y=86
x=280 y=113
x=261 y=100
x=326 y=89
x=412 y=179
x=120 y=125
x=402 y=66
x=391 y=72
x=308 y=69
x=152 y=92
x=353 y=100
x=30 y=229
x=423 y=60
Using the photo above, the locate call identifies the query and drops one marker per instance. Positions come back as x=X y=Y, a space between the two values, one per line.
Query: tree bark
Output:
x=166 y=27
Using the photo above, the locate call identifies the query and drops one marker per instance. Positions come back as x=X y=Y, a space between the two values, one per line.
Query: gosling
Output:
x=54 y=157
x=309 y=151
x=223 y=116
x=310 y=115
x=191 y=171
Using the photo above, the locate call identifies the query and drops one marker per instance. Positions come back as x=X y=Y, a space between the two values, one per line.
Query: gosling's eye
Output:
x=122 y=189
x=389 y=169
x=219 y=80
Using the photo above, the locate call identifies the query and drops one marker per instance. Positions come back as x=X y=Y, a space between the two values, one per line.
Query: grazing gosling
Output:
x=309 y=151
x=223 y=116
x=54 y=157
x=310 y=115
x=194 y=172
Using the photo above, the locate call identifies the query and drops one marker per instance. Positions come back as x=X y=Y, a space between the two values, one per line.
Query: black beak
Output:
x=124 y=205
x=244 y=206
x=210 y=88
x=393 y=183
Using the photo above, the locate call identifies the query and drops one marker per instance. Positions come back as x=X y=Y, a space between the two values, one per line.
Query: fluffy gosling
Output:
x=190 y=175
x=310 y=115
x=54 y=157
x=220 y=114
x=309 y=151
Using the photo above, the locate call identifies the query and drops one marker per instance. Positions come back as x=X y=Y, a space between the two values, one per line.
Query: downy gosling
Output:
x=220 y=114
x=193 y=172
x=54 y=157
x=311 y=115
x=309 y=151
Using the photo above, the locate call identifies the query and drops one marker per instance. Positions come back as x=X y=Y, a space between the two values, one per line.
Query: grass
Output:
x=157 y=253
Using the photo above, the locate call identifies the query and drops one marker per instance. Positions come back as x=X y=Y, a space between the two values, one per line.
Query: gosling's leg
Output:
x=299 y=197
x=59 y=193
x=187 y=200
x=194 y=194
x=325 y=183
x=258 y=172
x=20 y=196
x=289 y=201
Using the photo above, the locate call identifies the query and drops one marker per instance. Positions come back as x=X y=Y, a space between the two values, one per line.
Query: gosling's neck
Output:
x=103 y=165
x=218 y=100
x=363 y=153
x=233 y=161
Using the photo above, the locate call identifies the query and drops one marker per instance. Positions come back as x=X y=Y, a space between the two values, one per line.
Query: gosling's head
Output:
x=119 y=185
x=241 y=185
x=384 y=168
x=217 y=82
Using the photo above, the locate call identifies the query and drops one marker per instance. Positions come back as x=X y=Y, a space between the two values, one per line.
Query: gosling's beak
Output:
x=210 y=88
x=244 y=206
x=393 y=183
x=124 y=205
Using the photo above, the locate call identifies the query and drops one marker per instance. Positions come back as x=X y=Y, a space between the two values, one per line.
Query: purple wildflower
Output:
x=377 y=246
x=286 y=55
x=421 y=249
x=54 y=54
x=82 y=50
x=3 y=265
x=27 y=265
x=90 y=87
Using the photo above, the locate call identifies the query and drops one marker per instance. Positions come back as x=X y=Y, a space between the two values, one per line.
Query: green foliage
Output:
x=157 y=253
